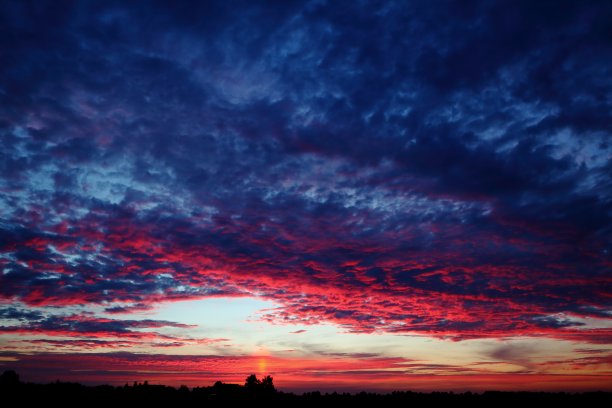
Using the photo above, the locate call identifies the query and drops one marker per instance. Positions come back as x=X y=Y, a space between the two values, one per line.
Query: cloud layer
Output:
x=354 y=373
x=409 y=168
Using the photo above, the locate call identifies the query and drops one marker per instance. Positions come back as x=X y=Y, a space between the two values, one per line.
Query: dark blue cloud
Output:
x=20 y=314
x=35 y=322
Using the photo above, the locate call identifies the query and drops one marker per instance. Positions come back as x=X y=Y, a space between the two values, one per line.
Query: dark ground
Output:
x=259 y=393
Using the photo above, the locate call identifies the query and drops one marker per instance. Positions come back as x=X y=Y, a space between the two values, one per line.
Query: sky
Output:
x=353 y=195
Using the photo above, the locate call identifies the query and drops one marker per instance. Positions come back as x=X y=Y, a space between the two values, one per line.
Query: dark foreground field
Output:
x=263 y=393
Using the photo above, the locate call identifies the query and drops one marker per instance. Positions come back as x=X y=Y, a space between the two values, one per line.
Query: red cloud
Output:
x=476 y=283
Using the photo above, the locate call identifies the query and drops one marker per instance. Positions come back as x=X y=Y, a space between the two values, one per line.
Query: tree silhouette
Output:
x=252 y=382
x=267 y=385
x=263 y=387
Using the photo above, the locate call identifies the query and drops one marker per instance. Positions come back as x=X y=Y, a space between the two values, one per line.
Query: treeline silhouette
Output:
x=256 y=391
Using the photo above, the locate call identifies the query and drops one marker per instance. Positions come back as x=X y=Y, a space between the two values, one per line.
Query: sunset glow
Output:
x=341 y=195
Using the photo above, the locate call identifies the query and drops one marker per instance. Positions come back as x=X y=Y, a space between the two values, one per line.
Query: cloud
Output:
x=368 y=167
x=86 y=325
x=87 y=331
x=15 y=313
